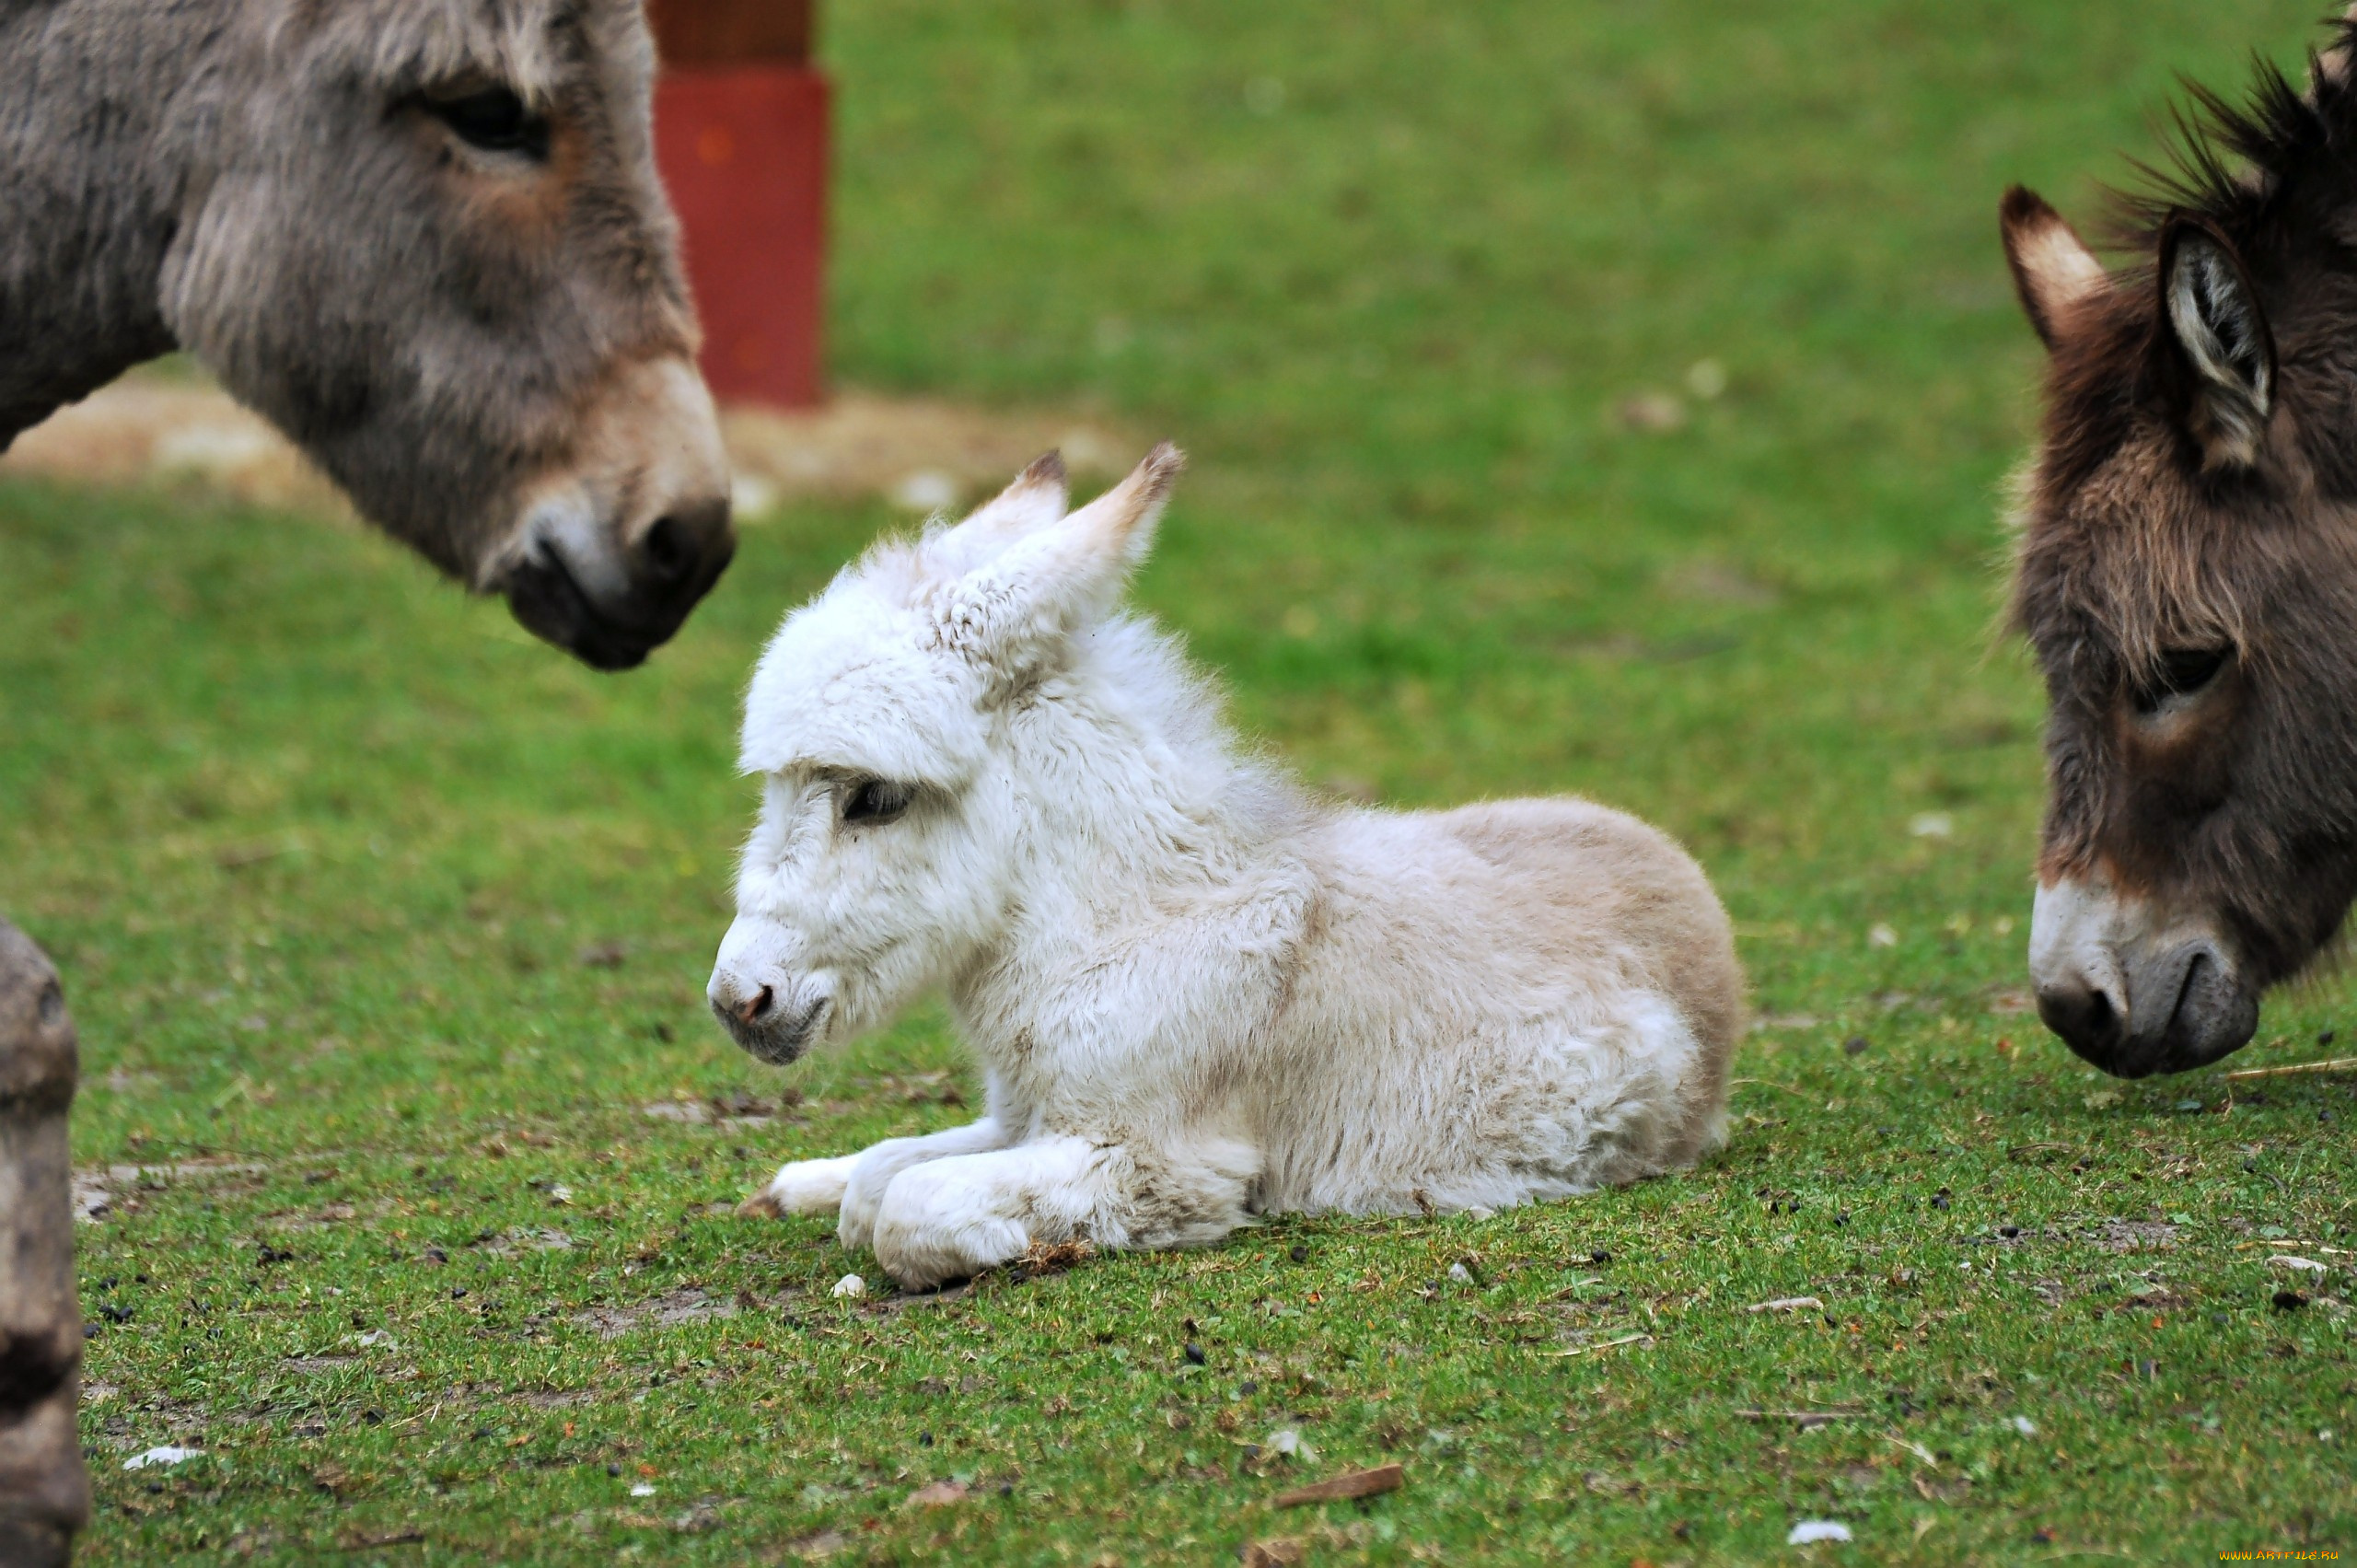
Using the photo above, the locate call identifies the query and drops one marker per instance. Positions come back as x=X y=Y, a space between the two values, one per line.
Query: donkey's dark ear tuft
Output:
x=2330 y=68
x=2216 y=323
x=2054 y=272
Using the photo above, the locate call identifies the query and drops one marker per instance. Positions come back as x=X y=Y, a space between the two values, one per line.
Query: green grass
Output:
x=321 y=849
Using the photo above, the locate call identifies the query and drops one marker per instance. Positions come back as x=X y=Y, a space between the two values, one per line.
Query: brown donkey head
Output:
x=426 y=238
x=2188 y=579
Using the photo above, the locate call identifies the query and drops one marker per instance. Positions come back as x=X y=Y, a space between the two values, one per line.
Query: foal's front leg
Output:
x=952 y=1218
x=874 y=1170
x=853 y=1184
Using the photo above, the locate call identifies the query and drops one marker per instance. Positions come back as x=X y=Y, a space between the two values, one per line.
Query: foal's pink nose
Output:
x=738 y=1001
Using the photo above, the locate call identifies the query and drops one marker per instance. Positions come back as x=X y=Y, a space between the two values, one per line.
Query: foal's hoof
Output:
x=762 y=1205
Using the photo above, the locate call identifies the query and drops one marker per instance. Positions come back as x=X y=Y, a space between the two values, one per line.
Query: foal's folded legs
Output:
x=950 y=1218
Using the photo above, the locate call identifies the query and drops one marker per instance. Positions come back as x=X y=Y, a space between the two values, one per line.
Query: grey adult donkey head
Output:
x=423 y=237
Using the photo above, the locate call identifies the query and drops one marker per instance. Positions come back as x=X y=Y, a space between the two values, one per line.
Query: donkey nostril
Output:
x=668 y=555
x=2084 y=1016
x=687 y=545
x=753 y=1009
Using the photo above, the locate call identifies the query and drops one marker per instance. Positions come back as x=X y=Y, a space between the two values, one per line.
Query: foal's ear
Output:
x=2054 y=272
x=1055 y=581
x=2220 y=331
x=1037 y=498
x=1113 y=532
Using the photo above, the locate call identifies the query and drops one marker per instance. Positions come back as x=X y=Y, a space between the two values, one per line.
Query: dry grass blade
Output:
x=2334 y=1065
x=1915 y=1448
x=1344 y=1488
x=1053 y=1257
x=940 y=1494
x=1608 y=1344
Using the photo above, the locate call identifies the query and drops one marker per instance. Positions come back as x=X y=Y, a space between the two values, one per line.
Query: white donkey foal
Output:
x=1196 y=993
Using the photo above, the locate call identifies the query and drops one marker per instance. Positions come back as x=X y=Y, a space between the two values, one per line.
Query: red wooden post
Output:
x=740 y=136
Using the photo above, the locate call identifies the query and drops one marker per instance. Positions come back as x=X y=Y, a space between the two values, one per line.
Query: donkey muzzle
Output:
x=2130 y=992
x=610 y=608
x=775 y=1020
x=619 y=542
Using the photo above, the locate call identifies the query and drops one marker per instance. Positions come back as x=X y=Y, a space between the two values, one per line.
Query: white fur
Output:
x=1195 y=994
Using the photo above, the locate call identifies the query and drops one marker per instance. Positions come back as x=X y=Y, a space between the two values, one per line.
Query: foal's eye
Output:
x=2183 y=672
x=495 y=120
x=876 y=801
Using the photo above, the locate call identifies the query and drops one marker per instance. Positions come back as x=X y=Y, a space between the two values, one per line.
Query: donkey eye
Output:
x=495 y=120
x=2183 y=672
x=876 y=801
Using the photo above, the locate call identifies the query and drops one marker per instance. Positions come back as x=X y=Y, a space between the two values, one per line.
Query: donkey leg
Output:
x=801 y=1187
x=874 y=1170
x=951 y=1218
x=44 y=1491
x=854 y=1183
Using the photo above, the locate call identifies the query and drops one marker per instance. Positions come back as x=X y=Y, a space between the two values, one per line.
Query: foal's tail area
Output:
x=1622 y=887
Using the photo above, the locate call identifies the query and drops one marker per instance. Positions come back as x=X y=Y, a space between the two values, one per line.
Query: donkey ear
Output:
x=1113 y=532
x=2330 y=68
x=1056 y=580
x=1037 y=498
x=2054 y=272
x=2216 y=322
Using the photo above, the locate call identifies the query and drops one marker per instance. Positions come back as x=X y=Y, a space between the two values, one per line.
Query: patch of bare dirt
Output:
x=147 y=430
x=673 y=1308
x=1716 y=582
x=97 y=1193
x=313 y=1219
x=556 y=1398
x=2133 y=1235
x=818 y=1544
x=2009 y=1001
x=517 y=1239
x=923 y=454
x=728 y=1112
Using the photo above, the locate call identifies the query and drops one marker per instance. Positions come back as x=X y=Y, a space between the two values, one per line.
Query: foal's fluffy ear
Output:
x=1035 y=501
x=1037 y=498
x=2054 y=272
x=2221 y=332
x=1056 y=580
x=1113 y=532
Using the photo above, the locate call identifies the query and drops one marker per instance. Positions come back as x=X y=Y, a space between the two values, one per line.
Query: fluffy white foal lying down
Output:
x=1197 y=994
